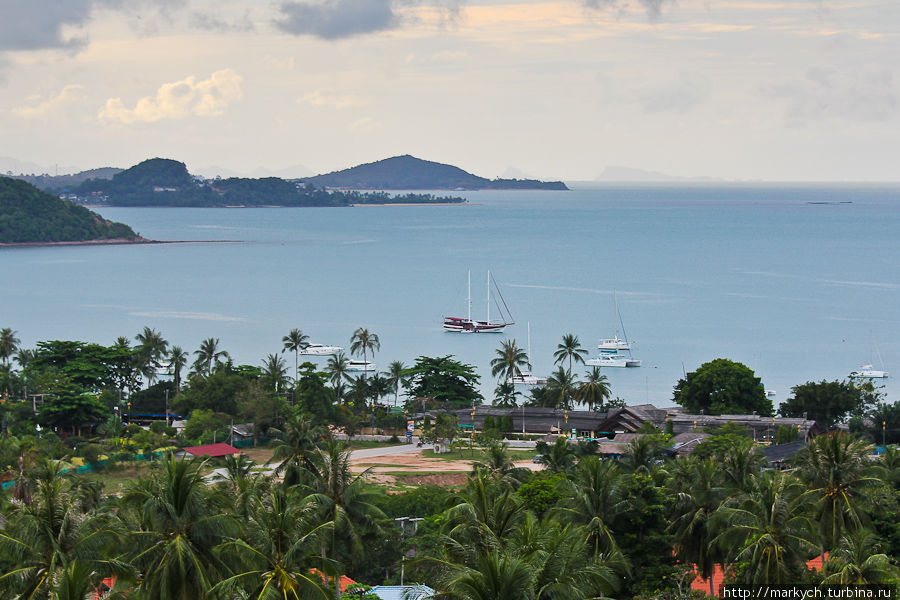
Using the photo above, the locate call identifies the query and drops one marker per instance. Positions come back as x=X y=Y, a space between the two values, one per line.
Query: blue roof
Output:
x=402 y=592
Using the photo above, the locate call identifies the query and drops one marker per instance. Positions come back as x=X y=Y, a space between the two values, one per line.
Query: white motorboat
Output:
x=320 y=350
x=527 y=379
x=613 y=344
x=360 y=365
x=868 y=372
x=609 y=360
x=469 y=325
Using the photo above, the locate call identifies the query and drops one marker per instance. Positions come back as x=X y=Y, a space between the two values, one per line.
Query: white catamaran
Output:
x=469 y=325
x=615 y=352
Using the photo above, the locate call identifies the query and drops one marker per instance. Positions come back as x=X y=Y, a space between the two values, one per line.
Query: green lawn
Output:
x=362 y=444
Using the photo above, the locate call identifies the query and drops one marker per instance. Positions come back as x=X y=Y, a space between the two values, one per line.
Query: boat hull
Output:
x=608 y=361
x=460 y=325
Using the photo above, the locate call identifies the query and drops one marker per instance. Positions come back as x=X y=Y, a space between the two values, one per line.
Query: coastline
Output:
x=108 y=242
x=421 y=204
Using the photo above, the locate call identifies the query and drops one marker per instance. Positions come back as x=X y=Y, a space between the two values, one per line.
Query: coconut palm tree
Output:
x=561 y=388
x=560 y=457
x=337 y=368
x=362 y=342
x=486 y=516
x=698 y=495
x=275 y=371
x=770 y=528
x=9 y=343
x=594 y=391
x=295 y=341
x=396 y=378
x=177 y=524
x=569 y=349
x=505 y=394
x=177 y=360
x=208 y=356
x=498 y=464
x=836 y=468
x=296 y=449
x=494 y=575
x=595 y=502
x=858 y=560
x=150 y=350
x=642 y=455
x=509 y=360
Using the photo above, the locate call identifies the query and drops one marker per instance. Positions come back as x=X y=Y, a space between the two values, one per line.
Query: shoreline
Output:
x=110 y=242
x=420 y=204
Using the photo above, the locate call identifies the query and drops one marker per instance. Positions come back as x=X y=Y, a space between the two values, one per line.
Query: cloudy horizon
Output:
x=736 y=90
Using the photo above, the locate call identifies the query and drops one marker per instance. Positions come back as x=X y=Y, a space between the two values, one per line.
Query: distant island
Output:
x=410 y=173
x=31 y=216
x=166 y=182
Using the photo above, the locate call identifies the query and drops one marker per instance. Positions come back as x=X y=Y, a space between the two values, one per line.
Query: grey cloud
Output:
x=653 y=7
x=210 y=22
x=39 y=24
x=867 y=95
x=336 y=19
x=680 y=94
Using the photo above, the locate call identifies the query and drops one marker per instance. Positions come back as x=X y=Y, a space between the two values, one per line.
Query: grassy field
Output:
x=477 y=454
x=362 y=444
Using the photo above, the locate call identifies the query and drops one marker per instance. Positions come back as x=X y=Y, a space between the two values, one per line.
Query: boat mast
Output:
x=621 y=323
x=529 y=346
x=489 y=297
x=469 y=297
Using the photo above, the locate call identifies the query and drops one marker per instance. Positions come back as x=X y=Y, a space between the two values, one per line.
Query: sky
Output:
x=790 y=90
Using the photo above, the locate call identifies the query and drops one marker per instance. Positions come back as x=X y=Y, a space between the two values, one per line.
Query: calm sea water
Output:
x=766 y=275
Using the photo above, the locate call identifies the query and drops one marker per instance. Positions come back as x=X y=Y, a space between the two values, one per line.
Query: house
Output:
x=219 y=450
x=779 y=454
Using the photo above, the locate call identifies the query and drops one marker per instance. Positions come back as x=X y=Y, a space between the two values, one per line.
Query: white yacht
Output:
x=360 y=365
x=868 y=372
x=320 y=350
x=613 y=344
x=609 y=360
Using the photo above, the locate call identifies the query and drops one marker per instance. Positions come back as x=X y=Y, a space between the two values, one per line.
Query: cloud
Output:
x=652 y=7
x=863 y=95
x=211 y=22
x=330 y=98
x=334 y=19
x=39 y=24
x=681 y=94
x=178 y=100
x=67 y=95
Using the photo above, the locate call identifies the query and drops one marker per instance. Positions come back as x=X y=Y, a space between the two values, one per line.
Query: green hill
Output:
x=410 y=173
x=28 y=215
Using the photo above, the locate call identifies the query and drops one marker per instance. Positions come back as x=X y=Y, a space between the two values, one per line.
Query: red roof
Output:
x=214 y=450
x=718 y=576
x=329 y=581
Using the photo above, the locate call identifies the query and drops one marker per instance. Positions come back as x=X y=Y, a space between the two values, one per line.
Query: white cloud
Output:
x=178 y=100
x=66 y=96
x=330 y=98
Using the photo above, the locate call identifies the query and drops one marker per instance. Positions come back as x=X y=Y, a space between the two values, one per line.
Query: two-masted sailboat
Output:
x=469 y=325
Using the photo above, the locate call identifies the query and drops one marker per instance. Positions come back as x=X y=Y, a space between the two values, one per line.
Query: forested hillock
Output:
x=29 y=215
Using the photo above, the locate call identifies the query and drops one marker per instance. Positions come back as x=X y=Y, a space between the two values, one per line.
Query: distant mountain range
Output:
x=410 y=173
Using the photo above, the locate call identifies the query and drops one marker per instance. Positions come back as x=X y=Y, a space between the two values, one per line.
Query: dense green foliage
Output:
x=827 y=402
x=722 y=387
x=30 y=215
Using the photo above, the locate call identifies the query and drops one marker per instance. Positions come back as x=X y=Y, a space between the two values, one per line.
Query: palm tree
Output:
x=769 y=528
x=510 y=358
x=498 y=464
x=362 y=342
x=836 y=468
x=296 y=449
x=295 y=341
x=739 y=463
x=698 y=495
x=396 y=378
x=275 y=371
x=858 y=560
x=208 y=356
x=560 y=457
x=486 y=517
x=177 y=525
x=9 y=343
x=505 y=394
x=150 y=349
x=594 y=390
x=642 y=455
x=595 y=502
x=177 y=360
x=494 y=576
x=561 y=387
x=570 y=348
x=337 y=367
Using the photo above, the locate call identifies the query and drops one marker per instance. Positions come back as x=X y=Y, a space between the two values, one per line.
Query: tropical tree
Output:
x=295 y=341
x=722 y=386
x=836 y=468
x=595 y=502
x=561 y=386
x=362 y=342
x=558 y=458
x=175 y=525
x=569 y=349
x=150 y=350
x=396 y=377
x=769 y=528
x=208 y=356
x=9 y=343
x=338 y=369
x=505 y=394
x=858 y=560
x=642 y=454
x=275 y=372
x=593 y=391
x=486 y=516
x=509 y=361
x=178 y=359
x=296 y=449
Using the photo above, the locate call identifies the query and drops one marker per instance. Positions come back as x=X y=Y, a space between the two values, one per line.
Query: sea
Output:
x=799 y=282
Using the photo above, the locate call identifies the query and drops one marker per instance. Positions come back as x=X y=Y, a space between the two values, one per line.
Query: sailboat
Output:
x=869 y=371
x=469 y=325
x=611 y=349
x=525 y=377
